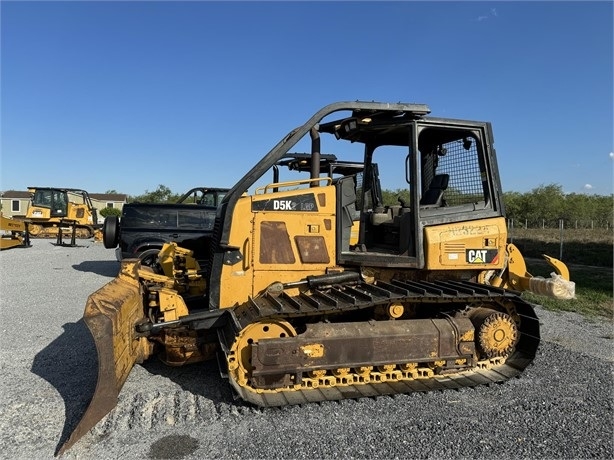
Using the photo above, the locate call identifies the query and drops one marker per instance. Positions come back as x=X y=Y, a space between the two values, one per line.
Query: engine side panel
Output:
x=291 y=235
x=478 y=244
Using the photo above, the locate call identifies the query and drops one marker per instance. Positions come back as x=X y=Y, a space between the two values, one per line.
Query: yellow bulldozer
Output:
x=425 y=296
x=68 y=210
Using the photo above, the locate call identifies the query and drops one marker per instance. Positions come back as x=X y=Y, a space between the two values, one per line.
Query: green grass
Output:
x=588 y=253
x=580 y=246
x=594 y=290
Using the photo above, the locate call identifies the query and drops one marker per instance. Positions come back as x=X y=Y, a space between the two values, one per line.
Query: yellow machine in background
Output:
x=69 y=209
x=13 y=233
x=317 y=289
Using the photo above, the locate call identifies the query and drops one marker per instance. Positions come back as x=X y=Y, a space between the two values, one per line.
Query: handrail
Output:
x=276 y=185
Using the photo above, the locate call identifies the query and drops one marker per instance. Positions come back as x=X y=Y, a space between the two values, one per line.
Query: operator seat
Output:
x=433 y=197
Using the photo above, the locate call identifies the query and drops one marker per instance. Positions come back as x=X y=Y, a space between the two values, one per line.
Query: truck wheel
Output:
x=110 y=232
x=149 y=258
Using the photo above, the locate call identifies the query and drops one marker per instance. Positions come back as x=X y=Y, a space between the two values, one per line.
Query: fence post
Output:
x=511 y=225
x=561 y=238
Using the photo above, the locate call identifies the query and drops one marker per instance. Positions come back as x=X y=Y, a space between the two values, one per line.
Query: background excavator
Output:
x=52 y=209
x=425 y=296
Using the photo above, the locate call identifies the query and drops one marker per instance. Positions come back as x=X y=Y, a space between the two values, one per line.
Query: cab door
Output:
x=293 y=234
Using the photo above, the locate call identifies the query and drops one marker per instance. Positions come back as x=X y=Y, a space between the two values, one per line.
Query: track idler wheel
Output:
x=496 y=333
x=35 y=229
x=240 y=357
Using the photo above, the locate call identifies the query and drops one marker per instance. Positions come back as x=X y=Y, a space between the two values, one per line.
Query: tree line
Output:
x=162 y=194
x=544 y=203
x=548 y=203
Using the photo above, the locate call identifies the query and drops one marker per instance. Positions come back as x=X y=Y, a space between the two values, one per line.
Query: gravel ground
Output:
x=561 y=407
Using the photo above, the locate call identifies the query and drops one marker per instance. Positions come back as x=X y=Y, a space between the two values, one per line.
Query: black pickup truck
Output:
x=143 y=228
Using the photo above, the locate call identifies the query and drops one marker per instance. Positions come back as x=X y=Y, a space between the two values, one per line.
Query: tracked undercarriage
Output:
x=38 y=230
x=460 y=334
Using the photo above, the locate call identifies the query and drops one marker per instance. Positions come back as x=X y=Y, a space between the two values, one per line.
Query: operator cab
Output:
x=54 y=199
x=411 y=178
x=445 y=168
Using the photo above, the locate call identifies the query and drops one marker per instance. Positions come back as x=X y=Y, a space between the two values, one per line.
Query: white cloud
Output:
x=493 y=13
x=611 y=154
x=588 y=187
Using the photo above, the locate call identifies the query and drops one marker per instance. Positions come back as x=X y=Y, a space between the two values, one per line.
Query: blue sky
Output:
x=128 y=95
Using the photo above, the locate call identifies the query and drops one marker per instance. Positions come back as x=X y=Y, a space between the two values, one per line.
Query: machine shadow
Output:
x=70 y=365
x=200 y=379
x=108 y=268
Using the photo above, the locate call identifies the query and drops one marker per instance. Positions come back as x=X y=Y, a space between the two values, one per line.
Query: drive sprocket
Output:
x=497 y=335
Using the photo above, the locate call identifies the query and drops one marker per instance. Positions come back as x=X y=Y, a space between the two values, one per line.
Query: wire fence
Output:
x=557 y=223
x=590 y=242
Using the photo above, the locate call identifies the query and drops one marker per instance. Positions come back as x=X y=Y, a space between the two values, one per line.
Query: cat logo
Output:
x=482 y=256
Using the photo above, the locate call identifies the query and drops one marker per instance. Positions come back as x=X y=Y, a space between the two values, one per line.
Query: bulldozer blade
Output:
x=111 y=314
